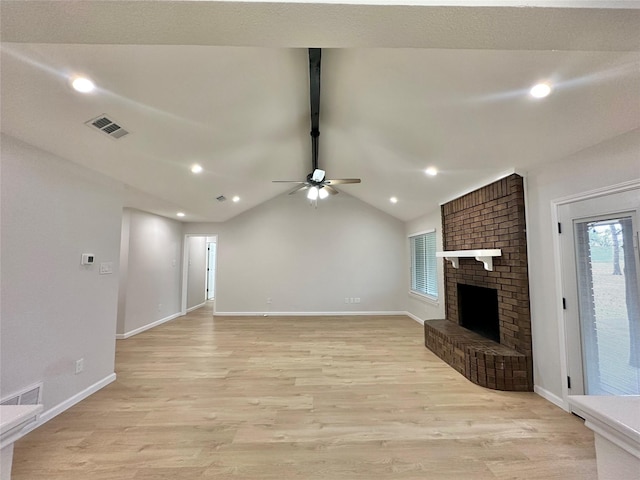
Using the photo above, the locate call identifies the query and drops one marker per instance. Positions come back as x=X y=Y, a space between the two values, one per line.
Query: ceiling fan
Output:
x=316 y=184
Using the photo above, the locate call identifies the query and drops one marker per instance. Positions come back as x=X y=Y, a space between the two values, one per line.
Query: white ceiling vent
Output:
x=107 y=126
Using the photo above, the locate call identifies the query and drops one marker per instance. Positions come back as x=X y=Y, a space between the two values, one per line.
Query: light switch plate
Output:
x=106 y=268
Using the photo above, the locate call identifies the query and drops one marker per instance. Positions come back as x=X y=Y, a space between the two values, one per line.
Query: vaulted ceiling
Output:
x=404 y=87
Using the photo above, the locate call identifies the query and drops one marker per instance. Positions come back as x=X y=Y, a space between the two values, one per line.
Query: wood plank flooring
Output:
x=280 y=398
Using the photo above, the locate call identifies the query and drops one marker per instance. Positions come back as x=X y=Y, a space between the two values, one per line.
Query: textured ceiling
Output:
x=225 y=84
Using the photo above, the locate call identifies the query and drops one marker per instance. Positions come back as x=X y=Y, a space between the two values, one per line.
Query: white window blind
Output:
x=424 y=280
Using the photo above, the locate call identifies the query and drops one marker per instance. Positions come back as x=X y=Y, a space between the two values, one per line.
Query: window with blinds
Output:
x=424 y=277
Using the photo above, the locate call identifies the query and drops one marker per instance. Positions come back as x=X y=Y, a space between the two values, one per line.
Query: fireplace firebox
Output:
x=478 y=310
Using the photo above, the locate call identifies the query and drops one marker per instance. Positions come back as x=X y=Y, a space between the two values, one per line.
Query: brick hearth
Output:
x=488 y=218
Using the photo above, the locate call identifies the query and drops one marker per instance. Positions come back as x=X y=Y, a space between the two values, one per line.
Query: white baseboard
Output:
x=122 y=336
x=551 y=397
x=417 y=319
x=70 y=402
x=196 y=307
x=307 y=314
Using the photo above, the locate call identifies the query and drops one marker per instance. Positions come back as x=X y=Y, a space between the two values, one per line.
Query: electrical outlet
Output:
x=346 y=299
x=79 y=365
x=159 y=307
x=269 y=300
x=357 y=300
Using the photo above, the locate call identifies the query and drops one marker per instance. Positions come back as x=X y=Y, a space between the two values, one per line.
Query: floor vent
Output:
x=29 y=396
x=107 y=126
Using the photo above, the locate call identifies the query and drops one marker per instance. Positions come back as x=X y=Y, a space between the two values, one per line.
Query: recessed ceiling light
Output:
x=236 y=199
x=180 y=214
x=540 y=90
x=82 y=85
x=393 y=200
x=195 y=168
x=431 y=171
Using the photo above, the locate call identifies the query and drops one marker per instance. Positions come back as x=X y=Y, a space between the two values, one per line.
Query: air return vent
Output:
x=107 y=126
x=29 y=396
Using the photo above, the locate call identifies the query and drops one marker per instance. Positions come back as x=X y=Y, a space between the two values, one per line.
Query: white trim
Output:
x=413 y=317
x=70 y=402
x=411 y=235
x=308 y=314
x=430 y=299
x=562 y=341
x=123 y=336
x=196 y=307
x=598 y=192
x=551 y=397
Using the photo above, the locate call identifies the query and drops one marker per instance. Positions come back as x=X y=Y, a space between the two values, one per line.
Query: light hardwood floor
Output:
x=300 y=398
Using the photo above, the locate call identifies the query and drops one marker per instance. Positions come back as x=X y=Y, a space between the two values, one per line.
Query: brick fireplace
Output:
x=494 y=350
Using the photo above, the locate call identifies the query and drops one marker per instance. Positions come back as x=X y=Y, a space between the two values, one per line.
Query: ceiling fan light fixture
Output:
x=313 y=193
x=323 y=193
x=318 y=175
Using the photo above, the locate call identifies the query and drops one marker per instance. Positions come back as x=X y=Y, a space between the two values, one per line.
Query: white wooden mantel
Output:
x=484 y=256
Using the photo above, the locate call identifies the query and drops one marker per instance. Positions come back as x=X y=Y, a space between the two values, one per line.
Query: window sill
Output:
x=424 y=298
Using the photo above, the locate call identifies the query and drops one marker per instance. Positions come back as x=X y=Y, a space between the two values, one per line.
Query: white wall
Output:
x=603 y=165
x=309 y=260
x=421 y=308
x=55 y=311
x=197 y=271
x=153 y=271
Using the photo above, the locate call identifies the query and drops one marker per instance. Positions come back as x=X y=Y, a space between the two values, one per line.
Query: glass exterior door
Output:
x=609 y=304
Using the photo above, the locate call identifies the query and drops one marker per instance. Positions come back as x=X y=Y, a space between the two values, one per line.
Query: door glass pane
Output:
x=609 y=306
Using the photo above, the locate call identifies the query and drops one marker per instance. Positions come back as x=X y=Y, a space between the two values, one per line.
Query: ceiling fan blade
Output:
x=298 y=189
x=331 y=190
x=339 y=181
x=286 y=181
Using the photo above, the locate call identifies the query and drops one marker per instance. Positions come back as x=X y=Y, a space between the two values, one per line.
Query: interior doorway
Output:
x=198 y=271
x=601 y=293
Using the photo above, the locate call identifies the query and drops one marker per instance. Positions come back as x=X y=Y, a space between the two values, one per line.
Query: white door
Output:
x=211 y=270
x=601 y=294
